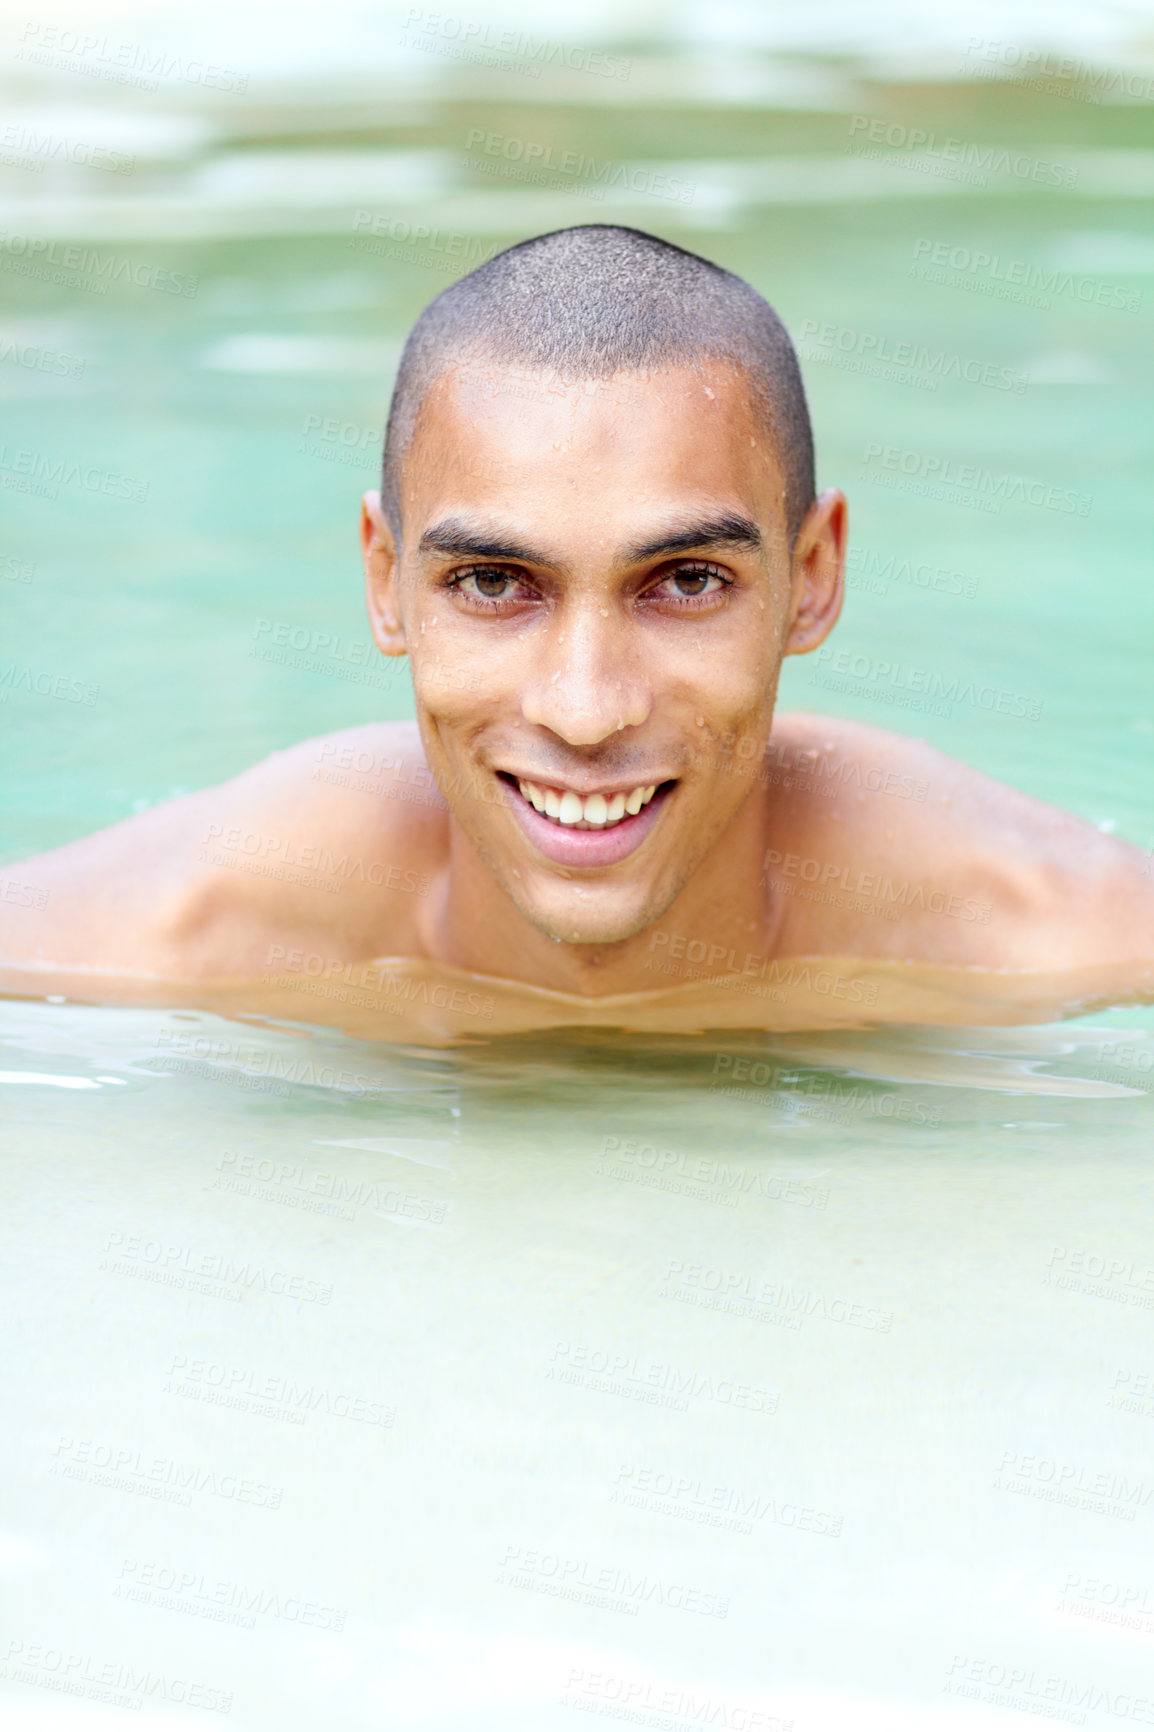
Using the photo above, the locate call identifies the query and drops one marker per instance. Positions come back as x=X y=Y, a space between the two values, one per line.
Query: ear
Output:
x=381 y=559
x=818 y=567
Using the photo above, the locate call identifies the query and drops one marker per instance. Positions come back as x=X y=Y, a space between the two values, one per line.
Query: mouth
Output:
x=586 y=829
x=585 y=812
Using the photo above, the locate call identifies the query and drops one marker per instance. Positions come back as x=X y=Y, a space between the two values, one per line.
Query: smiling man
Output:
x=596 y=540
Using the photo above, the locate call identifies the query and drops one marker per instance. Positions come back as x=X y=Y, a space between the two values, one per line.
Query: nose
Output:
x=585 y=686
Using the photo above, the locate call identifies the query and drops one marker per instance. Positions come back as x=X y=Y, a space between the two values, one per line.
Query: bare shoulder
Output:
x=881 y=838
x=332 y=843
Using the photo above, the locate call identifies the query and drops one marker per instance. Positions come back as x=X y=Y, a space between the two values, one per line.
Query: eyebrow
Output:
x=454 y=537
x=728 y=530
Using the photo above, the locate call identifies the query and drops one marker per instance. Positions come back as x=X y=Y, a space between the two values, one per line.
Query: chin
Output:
x=591 y=921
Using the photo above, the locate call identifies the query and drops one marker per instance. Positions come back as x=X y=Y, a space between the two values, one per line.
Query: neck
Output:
x=721 y=917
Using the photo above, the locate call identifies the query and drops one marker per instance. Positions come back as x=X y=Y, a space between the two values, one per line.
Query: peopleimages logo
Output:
x=1028 y=1691
x=875 y=893
x=1038 y=69
x=224 y=1601
x=118 y=1683
x=881 y=674
x=24 y=147
x=935 y=150
x=418 y=243
x=927 y=471
x=83 y=267
x=120 y=62
x=41 y=472
x=39 y=359
x=972 y=268
x=472 y=39
x=534 y=156
x=651 y=1702
x=903 y=362
x=43 y=684
x=872 y=570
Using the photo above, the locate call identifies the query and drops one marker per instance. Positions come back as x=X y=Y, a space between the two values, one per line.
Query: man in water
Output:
x=596 y=539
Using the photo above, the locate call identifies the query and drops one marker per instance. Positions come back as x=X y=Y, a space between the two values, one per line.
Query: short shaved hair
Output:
x=589 y=302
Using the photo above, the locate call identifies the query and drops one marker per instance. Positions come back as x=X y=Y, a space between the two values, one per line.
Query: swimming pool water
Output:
x=377 y=1387
x=747 y=1381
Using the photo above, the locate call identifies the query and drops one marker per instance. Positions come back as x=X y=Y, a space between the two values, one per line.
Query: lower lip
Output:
x=571 y=847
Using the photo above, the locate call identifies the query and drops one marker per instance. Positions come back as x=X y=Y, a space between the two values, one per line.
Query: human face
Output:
x=595 y=591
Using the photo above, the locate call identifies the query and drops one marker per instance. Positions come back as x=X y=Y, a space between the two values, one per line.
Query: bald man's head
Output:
x=590 y=302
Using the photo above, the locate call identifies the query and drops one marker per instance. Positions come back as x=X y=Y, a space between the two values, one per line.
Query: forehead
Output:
x=602 y=451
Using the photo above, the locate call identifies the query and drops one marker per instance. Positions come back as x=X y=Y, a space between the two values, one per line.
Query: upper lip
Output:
x=607 y=789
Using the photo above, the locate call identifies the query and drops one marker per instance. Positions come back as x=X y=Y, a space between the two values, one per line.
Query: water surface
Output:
x=679 y=1381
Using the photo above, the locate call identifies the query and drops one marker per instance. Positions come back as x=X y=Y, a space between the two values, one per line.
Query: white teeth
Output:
x=594 y=812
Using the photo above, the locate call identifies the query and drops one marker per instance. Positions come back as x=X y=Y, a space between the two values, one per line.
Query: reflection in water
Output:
x=397 y=998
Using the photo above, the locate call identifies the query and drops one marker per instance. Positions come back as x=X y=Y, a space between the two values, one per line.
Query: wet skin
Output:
x=595 y=592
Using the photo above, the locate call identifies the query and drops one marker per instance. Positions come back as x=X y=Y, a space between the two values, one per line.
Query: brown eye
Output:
x=487 y=582
x=690 y=582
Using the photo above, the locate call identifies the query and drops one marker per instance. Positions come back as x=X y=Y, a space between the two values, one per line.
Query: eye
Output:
x=489 y=583
x=691 y=583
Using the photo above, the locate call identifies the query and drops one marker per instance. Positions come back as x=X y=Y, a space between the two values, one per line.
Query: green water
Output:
x=809 y=1380
x=250 y=511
